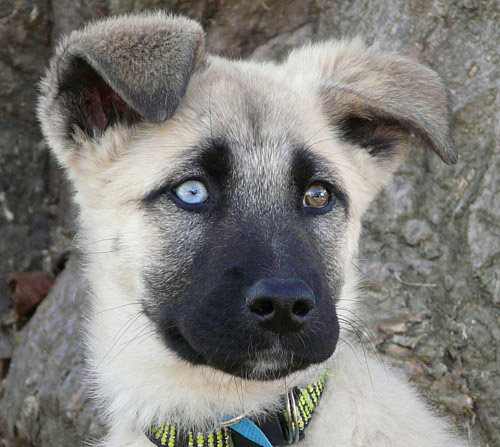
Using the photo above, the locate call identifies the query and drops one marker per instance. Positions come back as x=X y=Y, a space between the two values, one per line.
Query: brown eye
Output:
x=316 y=196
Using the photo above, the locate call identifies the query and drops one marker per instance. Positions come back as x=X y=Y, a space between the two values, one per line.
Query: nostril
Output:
x=262 y=307
x=280 y=305
x=301 y=308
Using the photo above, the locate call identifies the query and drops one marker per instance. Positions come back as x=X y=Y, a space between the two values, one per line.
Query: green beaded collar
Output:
x=282 y=428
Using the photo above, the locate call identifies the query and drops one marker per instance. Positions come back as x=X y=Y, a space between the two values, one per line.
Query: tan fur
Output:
x=312 y=91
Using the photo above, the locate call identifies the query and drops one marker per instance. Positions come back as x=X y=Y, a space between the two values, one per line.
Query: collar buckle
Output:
x=232 y=421
x=293 y=425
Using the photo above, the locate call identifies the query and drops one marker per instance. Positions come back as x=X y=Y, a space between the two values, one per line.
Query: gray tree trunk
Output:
x=430 y=244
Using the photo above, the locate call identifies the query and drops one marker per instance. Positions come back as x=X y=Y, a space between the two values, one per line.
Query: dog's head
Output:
x=225 y=196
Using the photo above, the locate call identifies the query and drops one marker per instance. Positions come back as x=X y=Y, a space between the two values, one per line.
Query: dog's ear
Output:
x=375 y=99
x=120 y=70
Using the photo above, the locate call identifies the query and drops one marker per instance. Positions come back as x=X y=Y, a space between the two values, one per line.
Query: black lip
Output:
x=178 y=343
x=244 y=367
x=247 y=370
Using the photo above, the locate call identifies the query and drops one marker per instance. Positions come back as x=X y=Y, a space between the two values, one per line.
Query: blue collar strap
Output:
x=279 y=429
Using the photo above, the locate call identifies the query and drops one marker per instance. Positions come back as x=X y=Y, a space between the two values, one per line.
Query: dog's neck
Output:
x=278 y=428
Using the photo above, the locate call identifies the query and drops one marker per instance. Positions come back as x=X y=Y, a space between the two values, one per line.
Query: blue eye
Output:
x=192 y=192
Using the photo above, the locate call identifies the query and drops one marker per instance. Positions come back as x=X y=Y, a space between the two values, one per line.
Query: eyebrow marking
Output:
x=215 y=159
x=211 y=158
x=308 y=167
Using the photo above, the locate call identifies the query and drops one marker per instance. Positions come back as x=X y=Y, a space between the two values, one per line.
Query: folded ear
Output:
x=122 y=70
x=375 y=98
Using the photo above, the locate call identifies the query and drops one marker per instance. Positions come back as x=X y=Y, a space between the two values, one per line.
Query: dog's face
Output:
x=226 y=196
x=245 y=271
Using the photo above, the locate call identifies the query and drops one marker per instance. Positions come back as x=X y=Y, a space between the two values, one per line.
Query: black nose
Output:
x=281 y=305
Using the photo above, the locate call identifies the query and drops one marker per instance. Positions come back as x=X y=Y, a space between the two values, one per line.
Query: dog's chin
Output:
x=266 y=369
x=265 y=365
x=262 y=367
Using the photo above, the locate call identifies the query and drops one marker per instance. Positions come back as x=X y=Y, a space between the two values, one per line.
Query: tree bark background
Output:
x=431 y=240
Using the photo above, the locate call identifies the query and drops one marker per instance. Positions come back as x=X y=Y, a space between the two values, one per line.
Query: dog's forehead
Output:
x=246 y=102
x=256 y=110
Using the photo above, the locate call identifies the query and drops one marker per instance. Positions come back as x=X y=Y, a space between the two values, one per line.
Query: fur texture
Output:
x=129 y=106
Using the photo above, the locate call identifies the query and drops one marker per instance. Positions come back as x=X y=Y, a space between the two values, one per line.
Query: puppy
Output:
x=220 y=207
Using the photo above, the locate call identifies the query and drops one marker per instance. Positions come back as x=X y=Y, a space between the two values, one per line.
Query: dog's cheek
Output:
x=331 y=238
x=166 y=267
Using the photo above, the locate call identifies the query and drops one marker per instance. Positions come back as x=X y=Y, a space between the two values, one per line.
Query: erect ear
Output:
x=375 y=99
x=122 y=70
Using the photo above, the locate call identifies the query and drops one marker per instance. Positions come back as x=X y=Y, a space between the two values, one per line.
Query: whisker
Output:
x=362 y=302
x=128 y=324
x=79 y=247
x=368 y=335
x=376 y=281
x=130 y=341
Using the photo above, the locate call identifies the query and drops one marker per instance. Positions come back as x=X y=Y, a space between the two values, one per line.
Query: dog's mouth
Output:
x=261 y=370
x=276 y=361
x=273 y=365
x=263 y=366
